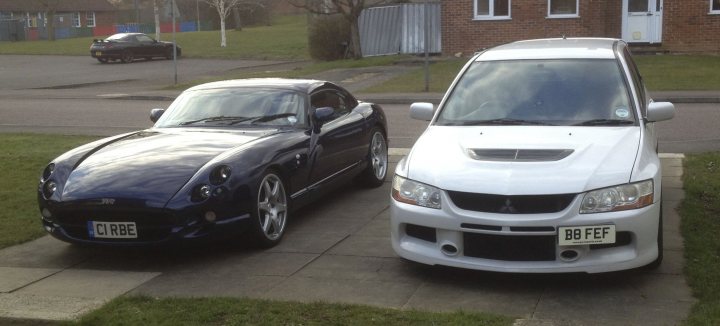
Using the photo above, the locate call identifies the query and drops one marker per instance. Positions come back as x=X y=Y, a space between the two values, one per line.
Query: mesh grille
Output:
x=530 y=204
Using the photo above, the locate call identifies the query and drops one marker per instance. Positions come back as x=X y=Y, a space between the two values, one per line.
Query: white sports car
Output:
x=542 y=157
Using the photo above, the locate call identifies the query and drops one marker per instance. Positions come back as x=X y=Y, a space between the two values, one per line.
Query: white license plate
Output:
x=112 y=230
x=584 y=235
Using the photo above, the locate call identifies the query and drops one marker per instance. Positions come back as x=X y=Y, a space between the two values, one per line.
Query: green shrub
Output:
x=328 y=37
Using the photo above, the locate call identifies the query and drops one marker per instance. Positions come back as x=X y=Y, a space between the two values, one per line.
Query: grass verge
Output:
x=680 y=72
x=700 y=211
x=285 y=39
x=661 y=73
x=230 y=311
x=302 y=71
x=23 y=157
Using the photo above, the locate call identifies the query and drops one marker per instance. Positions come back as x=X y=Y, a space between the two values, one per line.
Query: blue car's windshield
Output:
x=582 y=92
x=236 y=107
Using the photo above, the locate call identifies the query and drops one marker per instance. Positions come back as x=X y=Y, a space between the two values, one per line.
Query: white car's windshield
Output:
x=236 y=106
x=590 y=92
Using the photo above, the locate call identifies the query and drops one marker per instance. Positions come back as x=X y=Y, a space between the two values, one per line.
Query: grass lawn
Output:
x=700 y=212
x=304 y=71
x=661 y=73
x=23 y=157
x=228 y=311
x=285 y=39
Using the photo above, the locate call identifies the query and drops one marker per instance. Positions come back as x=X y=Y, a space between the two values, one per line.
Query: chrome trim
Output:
x=314 y=185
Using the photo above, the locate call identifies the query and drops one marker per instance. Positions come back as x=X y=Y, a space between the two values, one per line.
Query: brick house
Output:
x=660 y=25
x=72 y=17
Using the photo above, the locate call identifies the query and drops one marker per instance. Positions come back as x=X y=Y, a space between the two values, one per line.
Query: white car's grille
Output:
x=487 y=203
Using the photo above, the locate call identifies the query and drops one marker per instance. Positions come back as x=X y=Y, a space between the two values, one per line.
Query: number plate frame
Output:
x=586 y=235
x=112 y=230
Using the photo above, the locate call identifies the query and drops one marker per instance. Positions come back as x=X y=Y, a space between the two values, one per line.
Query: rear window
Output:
x=554 y=92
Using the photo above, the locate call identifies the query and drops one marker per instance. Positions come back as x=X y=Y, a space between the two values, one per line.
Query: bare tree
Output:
x=49 y=8
x=156 y=13
x=349 y=9
x=223 y=7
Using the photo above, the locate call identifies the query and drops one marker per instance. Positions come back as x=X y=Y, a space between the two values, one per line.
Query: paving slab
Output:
x=87 y=284
x=338 y=250
x=13 y=278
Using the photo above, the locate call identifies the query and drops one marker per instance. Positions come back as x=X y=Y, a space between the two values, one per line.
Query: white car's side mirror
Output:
x=422 y=111
x=659 y=111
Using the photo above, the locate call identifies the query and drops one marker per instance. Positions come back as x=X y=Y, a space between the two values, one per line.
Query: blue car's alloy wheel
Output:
x=272 y=210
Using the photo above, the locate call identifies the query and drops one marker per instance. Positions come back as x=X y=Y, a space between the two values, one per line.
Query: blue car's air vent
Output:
x=522 y=155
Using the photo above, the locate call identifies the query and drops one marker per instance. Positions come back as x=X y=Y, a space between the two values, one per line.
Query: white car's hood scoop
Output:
x=524 y=160
x=520 y=155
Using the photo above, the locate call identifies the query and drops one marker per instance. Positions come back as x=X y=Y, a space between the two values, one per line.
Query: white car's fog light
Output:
x=618 y=198
x=415 y=193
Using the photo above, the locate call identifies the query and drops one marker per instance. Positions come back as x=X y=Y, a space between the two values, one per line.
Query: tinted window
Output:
x=236 y=106
x=144 y=39
x=557 y=92
x=331 y=98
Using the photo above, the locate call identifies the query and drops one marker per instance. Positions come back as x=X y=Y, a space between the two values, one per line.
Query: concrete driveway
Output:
x=339 y=250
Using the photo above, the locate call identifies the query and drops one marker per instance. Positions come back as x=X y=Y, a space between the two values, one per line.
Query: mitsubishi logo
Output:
x=508 y=208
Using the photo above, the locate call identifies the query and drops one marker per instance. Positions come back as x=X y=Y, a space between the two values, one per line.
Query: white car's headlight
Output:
x=618 y=198
x=415 y=193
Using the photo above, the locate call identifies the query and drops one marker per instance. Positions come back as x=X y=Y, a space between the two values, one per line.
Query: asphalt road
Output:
x=69 y=95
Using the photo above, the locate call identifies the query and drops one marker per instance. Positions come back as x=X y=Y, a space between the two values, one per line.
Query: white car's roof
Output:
x=557 y=48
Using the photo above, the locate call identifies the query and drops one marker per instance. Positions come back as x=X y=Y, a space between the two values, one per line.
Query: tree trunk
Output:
x=355 y=51
x=236 y=17
x=50 y=16
x=223 y=40
x=156 y=11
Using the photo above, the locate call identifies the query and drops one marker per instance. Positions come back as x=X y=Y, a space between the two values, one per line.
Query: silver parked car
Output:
x=542 y=157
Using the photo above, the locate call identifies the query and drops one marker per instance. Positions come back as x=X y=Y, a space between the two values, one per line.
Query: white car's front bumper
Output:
x=518 y=236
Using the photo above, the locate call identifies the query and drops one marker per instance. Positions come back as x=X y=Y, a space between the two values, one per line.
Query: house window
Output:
x=76 y=19
x=492 y=9
x=90 y=18
x=563 y=8
x=715 y=6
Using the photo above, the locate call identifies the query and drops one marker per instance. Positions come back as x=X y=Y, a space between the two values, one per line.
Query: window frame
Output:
x=575 y=15
x=76 y=22
x=491 y=10
x=90 y=18
x=714 y=11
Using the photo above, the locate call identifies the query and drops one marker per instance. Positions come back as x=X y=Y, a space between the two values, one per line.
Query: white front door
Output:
x=642 y=21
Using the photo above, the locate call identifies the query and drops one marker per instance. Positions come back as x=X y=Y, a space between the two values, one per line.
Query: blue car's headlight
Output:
x=220 y=175
x=618 y=198
x=48 y=172
x=416 y=193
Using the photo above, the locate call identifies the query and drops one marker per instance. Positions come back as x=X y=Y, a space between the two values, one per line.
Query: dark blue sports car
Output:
x=224 y=158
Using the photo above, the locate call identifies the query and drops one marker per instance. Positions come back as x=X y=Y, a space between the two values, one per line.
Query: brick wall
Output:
x=687 y=26
x=461 y=33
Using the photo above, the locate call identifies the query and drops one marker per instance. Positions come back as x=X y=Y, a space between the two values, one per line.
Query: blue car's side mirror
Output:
x=323 y=115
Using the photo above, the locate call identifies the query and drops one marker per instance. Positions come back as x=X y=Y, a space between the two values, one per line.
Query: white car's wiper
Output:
x=503 y=122
x=604 y=122
x=234 y=119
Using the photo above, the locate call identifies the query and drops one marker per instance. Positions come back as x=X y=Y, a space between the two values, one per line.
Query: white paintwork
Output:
x=422 y=111
x=603 y=156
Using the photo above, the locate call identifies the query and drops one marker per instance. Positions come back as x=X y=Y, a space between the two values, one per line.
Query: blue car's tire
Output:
x=271 y=210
